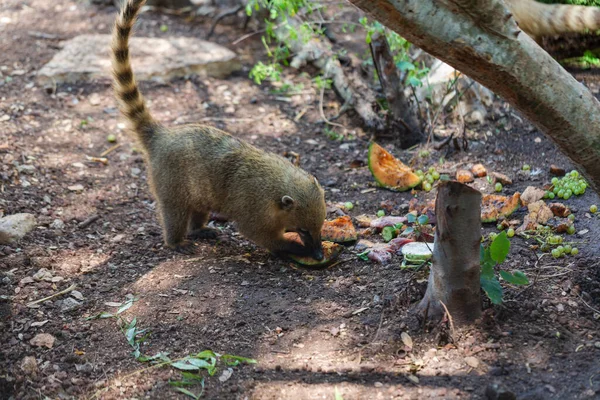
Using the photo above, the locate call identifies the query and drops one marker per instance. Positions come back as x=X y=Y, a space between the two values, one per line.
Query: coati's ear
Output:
x=287 y=203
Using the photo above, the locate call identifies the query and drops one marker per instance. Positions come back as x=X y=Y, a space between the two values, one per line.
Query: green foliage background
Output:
x=595 y=3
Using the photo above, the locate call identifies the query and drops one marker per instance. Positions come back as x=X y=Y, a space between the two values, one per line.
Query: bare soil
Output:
x=312 y=332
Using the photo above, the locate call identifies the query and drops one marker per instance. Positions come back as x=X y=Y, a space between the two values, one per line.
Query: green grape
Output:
x=554 y=180
x=571 y=230
x=498 y=187
x=546 y=194
x=551 y=196
x=500 y=227
x=426 y=186
x=567 y=249
x=435 y=175
x=429 y=178
x=571 y=217
x=510 y=232
x=574 y=251
x=561 y=249
x=567 y=195
x=381 y=213
x=593 y=209
x=493 y=236
x=431 y=169
x=555 y=253
x=575 y=174
x=561 y=194
x=526 y=167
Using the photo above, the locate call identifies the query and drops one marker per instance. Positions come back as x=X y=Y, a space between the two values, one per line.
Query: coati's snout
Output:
x=313 y=243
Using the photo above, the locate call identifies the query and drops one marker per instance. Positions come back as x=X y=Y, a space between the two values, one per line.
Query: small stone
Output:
x=16 y=226
x=78 y=165
x=597 y=345
x=57 y=224
x=94 y=99
x=378 y=384
x=76 y=188
x=472 y=362
x=29 y=365
x=68 y=304
x=77 y=295
x=26 y=169
x=560 y=307
x=43 y=340
x=135 y=171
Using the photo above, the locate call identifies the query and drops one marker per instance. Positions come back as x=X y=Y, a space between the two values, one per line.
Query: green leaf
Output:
x=487 y=265
x=405 y=66
x=388 y=233
x=338 y=395
x=188 y=393
x=492 y=288
x=232 y=360
x=516 y=278
x=414 y=81
x=408 y=230
x=364 y=255
x=102 y=315
x=500 y=247
x=126 y=306
x=162 y=356
x=411 y=218
x=184 y=366
x=200 y=363
x=423 y=219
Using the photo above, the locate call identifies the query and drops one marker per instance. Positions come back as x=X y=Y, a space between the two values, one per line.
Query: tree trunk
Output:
x=454 y=275
x=401 y=118
x=482 y=40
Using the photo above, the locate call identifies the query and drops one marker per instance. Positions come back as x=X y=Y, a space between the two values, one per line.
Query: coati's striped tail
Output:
x=132 y=102
x=538 y=19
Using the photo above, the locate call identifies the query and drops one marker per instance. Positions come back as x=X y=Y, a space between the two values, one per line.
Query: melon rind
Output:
x=491 y=211
x=410 y=178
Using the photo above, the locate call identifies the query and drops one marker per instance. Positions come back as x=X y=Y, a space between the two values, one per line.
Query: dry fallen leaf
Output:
x=406 y=339
x=43 y=339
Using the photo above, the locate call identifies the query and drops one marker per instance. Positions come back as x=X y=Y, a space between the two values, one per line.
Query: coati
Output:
x=538 y=19
x=194 y=169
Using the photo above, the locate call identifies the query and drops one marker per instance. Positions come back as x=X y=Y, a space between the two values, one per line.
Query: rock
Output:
x=76 y=188
x=43 y=274
x=94 y=99
x=86 y=58
x=472 y=362
x=43 y=339
x=14 y=227
x=26 y=169
x=57 y=224
x=29 y=365
x=68 y=304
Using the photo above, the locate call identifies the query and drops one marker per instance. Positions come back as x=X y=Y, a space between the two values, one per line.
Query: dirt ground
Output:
x=312 y=332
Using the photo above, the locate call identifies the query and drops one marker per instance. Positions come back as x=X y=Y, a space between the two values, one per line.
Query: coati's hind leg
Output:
x=175 y=224
x=198 y=228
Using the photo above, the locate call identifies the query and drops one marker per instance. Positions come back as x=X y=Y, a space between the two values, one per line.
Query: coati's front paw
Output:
x=204 y=233
x=186 y=247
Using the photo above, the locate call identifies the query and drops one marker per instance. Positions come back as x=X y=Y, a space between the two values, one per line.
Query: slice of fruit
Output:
x=479 y=170
x=464 y=176
x=330 y=252
x=494 y=206
x=417 y=252
x=339 y=230
x=390 y=172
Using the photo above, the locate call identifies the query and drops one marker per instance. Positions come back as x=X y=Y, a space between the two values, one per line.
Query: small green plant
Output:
x=491 y=256
x=418 y=223
x=189 y=366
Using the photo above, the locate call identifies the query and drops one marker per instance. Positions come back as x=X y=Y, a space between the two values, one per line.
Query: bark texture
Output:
x=454 y=275
x=482 y=40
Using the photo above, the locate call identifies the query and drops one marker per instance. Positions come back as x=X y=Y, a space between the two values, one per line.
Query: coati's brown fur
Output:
x=194 y=169
x=538 y=19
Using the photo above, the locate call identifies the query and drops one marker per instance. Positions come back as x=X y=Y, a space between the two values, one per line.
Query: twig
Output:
x=97 y=159
x=246 y=36
x=382 y=313
x=323 y=117
x=587 y=305
x=449 y=319
x=110 y=150
x=67 y=290
x=88 y=221
x=219 y=17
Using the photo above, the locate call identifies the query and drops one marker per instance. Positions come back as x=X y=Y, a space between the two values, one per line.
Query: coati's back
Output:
x=538 y=19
